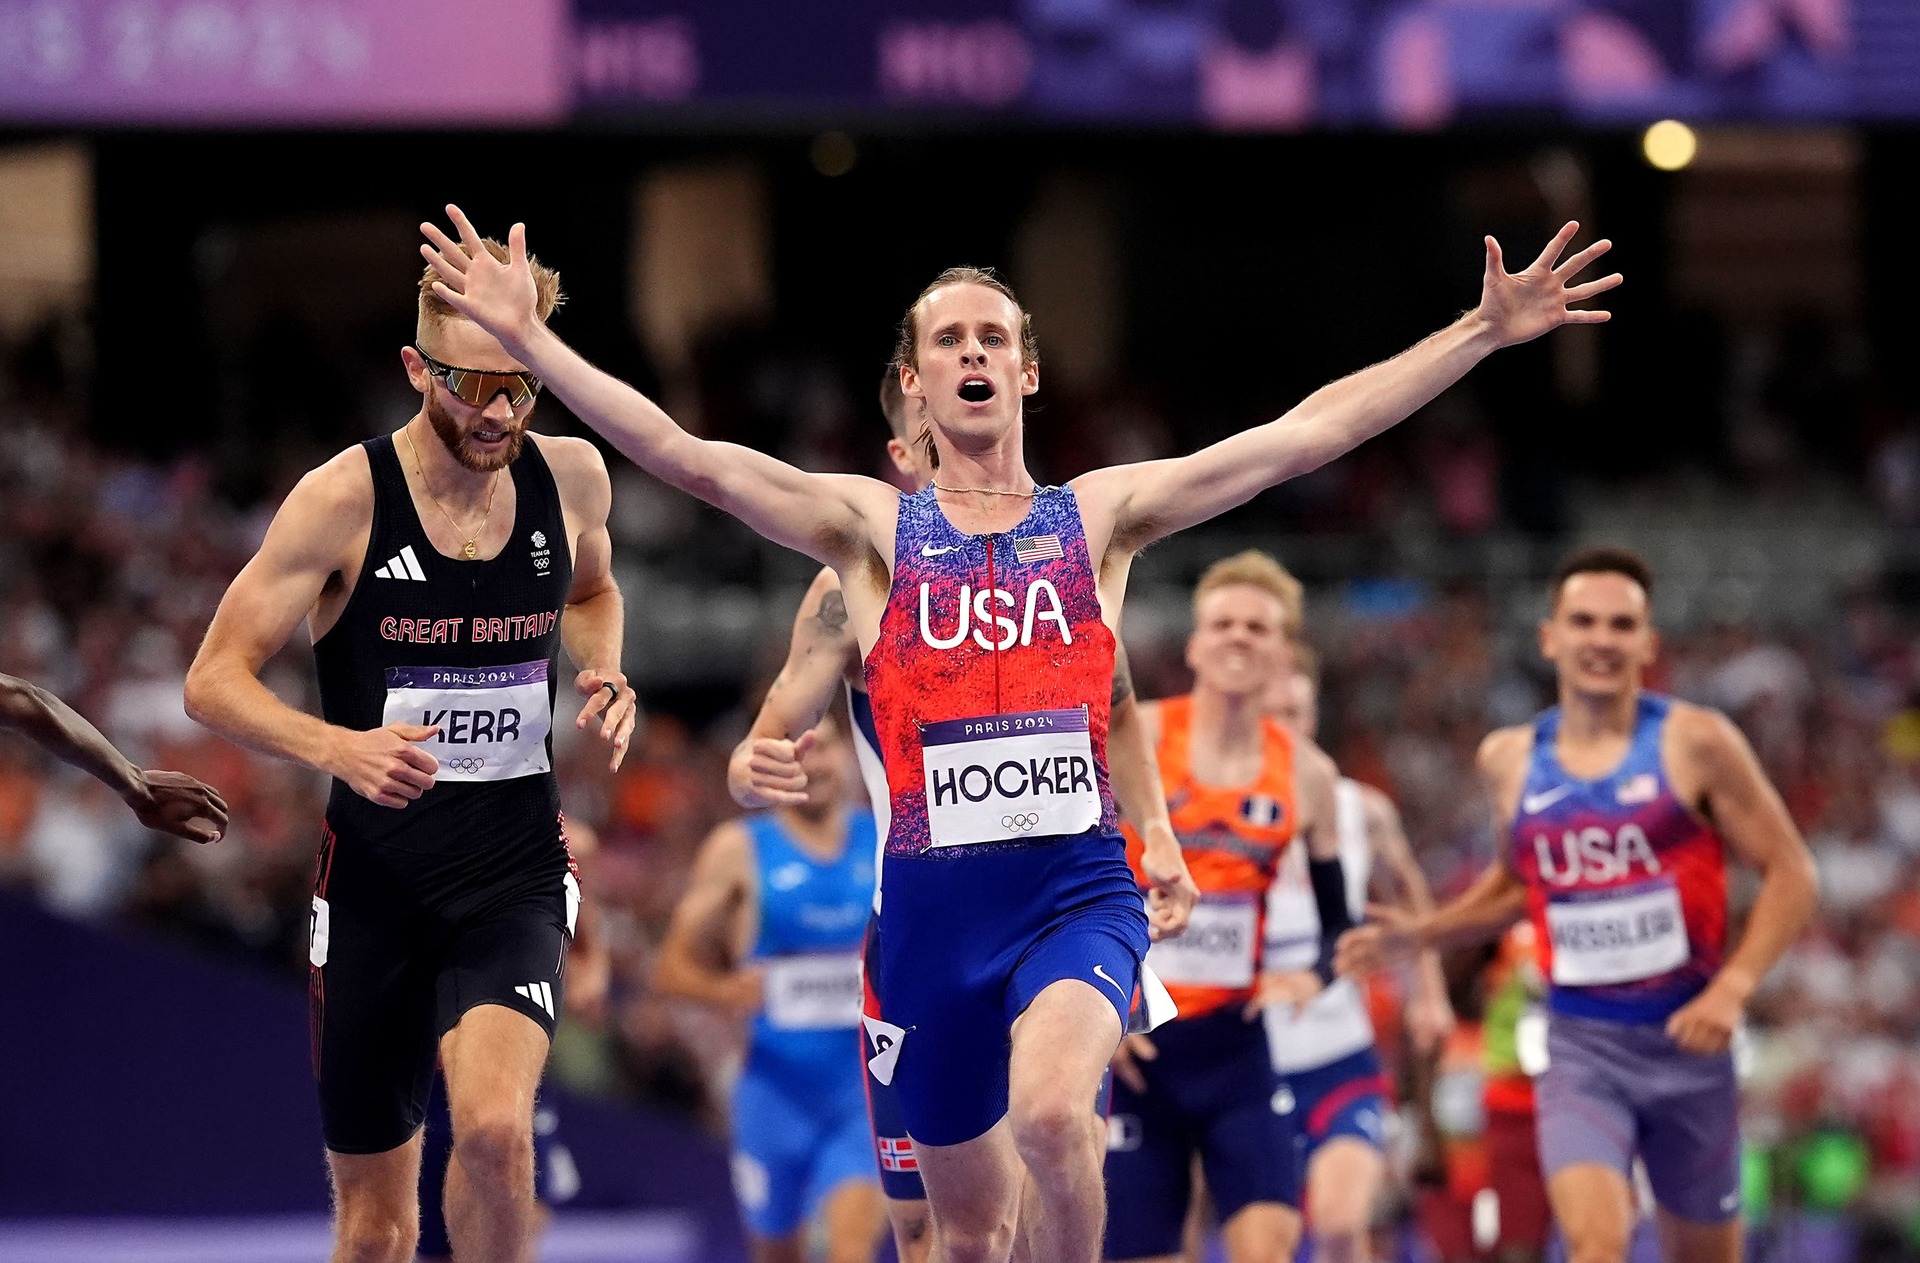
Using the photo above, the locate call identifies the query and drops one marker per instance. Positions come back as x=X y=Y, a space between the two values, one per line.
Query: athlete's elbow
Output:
x=201 y=694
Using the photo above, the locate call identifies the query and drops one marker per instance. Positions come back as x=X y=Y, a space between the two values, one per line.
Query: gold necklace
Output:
x=472 y=545
x=985 y=491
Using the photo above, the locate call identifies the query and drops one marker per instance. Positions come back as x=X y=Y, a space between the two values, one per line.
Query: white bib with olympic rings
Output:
x=493 y=721
x=999 y=778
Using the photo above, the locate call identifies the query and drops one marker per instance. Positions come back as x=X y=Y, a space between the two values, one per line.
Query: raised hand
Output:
x=499 y=297
x=766 y=771
x=175 y=803
x=1520 y=306
x=383 y=766
x=616 y=705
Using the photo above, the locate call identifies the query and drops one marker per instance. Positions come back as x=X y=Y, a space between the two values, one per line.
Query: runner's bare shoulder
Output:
x=1502 y=761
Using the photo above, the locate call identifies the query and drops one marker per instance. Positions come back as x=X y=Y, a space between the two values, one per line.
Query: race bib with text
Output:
x=493 y=721
x=1217 y=948
x=1005 y=777
x=813 y=992
x=1626 y=934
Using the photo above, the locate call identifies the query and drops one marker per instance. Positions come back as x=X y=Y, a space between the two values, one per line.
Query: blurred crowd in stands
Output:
x=111 y=567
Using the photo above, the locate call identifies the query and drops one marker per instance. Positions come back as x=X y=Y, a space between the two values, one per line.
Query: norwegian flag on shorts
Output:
x=1037 y=548
x=896 y=1154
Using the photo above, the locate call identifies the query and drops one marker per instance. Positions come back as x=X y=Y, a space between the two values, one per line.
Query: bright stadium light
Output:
x=1670 y=144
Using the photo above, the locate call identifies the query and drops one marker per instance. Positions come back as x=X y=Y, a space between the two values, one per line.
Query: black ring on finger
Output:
x=611 y=687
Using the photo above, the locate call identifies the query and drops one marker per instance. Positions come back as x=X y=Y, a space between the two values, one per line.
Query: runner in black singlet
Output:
x=439 y=569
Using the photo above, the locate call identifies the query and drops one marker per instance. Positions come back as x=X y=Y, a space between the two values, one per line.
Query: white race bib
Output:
x=1002 y=777
x=1604 y=937
x=813 y=993
x=1216 y=950
x=493 y=721
x=1332 y=1025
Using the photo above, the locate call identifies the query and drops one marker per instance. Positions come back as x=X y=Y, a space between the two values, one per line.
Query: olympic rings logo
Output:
x=1024 y=823
x=465 y=765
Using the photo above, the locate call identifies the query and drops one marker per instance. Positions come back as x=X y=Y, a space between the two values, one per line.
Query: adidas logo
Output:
x=405 y=566
x=538 y=993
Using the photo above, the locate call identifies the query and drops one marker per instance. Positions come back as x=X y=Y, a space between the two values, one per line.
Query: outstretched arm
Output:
x=1156 y=498
x=821 y=515
x=169 y=801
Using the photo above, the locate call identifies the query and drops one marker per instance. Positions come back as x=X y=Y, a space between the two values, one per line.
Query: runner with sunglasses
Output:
x=439 y=570
x=985 y=609
x=823 y=660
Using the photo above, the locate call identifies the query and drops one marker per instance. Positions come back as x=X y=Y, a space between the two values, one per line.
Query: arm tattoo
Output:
x=1122 y=676
x=833 y=613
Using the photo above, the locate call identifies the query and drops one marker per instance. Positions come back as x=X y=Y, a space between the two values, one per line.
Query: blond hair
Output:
x=1255 y=569
x=435 y=311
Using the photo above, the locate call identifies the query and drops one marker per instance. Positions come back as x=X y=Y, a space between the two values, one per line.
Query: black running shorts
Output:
x=403 y=944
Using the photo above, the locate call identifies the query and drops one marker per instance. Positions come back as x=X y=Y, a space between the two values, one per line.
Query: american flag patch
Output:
x=1037 y=548
x=1643 y=788
x=896 y=1153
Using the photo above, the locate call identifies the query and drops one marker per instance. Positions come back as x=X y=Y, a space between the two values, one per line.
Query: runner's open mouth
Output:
x=976 y=390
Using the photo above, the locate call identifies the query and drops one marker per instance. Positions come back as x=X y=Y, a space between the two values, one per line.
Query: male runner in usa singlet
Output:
x=439 y=570
x=985 y=608
x=823 y=660
x=1616 y=810
x=770 y=929
x=1241 y=792
x=1336 y=1092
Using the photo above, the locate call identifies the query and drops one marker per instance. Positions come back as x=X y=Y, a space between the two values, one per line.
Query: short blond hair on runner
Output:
x=435 y=310
x=1256 y=569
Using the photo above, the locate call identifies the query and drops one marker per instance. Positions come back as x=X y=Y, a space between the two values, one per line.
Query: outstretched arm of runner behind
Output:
x=1482 y=912
x=1154 y=499
x=169 y=801
x=821 y=515
x=303 y=550
x=699 y=959
x=1399 y=882
x=1134 y=770
x=1743 y=807
x=765 y=770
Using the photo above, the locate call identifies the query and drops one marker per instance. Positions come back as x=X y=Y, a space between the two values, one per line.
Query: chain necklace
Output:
x=986 y=491
x=471 y=546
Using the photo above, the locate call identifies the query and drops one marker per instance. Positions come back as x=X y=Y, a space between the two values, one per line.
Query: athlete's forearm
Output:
x=679 y=973
x=774 y=498
x=1135 y=773
x=1495 y=901
x=1789 y=896
x=594 y=630
x=233 y=702
x=58 y=729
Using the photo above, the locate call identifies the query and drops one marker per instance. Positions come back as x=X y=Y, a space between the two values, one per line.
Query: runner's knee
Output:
x=496 y=1151
x=1341 y=1241
x=1049 y=1127
x=1592 y=1242
x=974 y=1243
x=375 y=1235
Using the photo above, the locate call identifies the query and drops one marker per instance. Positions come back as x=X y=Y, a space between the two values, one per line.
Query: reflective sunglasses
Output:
x=476 y=387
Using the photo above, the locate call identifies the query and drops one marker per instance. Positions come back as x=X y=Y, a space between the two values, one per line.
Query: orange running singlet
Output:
x=1233 y=838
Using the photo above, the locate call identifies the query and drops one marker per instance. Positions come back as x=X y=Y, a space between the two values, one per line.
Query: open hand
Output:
x=1283 y=989
x=499 y=297
x=614 y=703
x=1388 y=937
x=1133 y=1050
x=175 y=803
x=766 y=771
x=1520 y=306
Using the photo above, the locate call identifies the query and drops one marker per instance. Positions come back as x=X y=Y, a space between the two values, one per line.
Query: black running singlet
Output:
x=471 y=647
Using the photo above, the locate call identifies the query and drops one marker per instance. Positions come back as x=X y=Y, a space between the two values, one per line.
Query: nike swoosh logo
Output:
x=1540 y=802
x=1100 y=972
x=928 y=550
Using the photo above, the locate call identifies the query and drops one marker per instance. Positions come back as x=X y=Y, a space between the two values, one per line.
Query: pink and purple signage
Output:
x=285 y=61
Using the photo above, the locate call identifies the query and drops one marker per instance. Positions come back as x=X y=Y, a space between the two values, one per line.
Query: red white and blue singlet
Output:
x=991 y=682
x=1626 y=887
